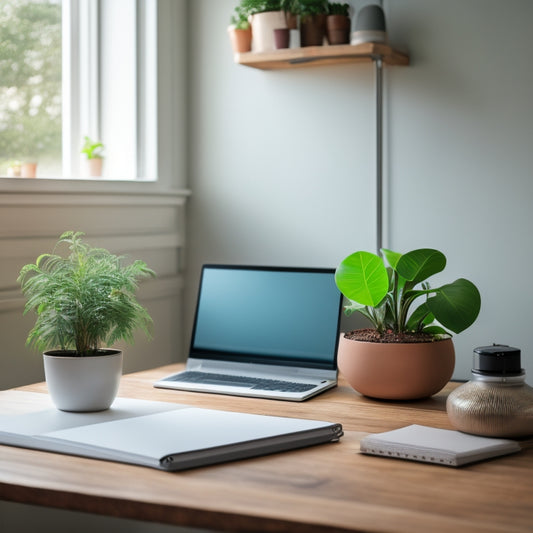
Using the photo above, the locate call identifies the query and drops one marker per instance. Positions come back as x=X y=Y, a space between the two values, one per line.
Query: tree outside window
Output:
x=30 y=84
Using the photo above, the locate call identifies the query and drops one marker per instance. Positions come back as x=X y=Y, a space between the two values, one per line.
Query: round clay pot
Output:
x=338 y=29
x=241 y=40
x=94 y=167
x=28 y=170
x=281 y=38
x=312 y=30
x=391 y=371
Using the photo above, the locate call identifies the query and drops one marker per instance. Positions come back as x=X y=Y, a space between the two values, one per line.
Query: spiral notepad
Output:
x=433 y=445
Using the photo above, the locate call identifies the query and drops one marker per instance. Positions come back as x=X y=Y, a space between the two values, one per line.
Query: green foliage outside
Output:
x=30 y=82
x=84 y=299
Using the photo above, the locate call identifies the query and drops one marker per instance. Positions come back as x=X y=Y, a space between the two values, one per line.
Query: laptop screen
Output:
x=281 y=316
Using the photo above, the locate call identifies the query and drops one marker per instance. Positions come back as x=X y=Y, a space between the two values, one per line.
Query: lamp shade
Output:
x=370 y=25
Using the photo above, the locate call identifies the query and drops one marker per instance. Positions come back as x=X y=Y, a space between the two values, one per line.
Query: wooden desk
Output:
x=327 y=488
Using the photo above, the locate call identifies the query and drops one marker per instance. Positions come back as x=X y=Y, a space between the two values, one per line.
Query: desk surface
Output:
x=326 y=488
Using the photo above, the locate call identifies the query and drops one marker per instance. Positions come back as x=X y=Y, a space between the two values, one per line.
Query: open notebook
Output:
x=263 y=331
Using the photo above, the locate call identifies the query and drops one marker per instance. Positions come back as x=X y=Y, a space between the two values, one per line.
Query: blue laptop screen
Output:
x=266 y=315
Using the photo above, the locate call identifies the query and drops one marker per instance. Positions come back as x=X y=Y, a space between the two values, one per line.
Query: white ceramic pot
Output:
x=263 y=26
x=82 y=384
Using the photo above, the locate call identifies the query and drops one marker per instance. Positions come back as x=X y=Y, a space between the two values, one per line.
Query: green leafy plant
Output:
x=252 y=7
x=307 y=8
x=240 y=19
x=335 y=8
x=385 y=294
x=289 y=6
x=92 y=149
x=84 y=299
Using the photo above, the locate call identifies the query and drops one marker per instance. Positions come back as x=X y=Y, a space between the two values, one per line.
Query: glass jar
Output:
x=497 y=402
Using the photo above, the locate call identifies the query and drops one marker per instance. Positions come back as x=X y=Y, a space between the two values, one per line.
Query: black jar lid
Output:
x=497 y=359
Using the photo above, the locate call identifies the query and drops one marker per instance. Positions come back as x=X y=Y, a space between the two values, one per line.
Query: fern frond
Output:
x=84 y=299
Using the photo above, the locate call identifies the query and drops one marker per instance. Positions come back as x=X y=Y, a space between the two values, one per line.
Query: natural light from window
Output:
x=78 y=86
x=30 y=87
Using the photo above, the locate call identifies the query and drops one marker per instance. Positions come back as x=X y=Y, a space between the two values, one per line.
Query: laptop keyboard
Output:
x=208 y=378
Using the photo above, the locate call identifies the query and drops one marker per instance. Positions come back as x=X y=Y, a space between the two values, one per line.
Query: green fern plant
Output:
x=84 y=299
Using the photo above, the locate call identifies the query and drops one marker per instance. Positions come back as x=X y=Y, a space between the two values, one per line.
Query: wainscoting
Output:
x=131 y=219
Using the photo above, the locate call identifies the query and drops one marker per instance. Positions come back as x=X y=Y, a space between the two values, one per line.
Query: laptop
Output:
x=269 y=332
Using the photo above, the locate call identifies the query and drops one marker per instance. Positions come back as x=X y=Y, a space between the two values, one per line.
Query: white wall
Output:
x=282 y=162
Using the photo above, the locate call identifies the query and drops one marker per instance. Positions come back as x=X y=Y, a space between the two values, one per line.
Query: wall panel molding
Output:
x=137 y=222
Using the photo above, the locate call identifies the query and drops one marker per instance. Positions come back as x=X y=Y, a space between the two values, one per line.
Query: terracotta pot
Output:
x=82 y=384
x=28 y=170
x=338 y=29
x=292 y=21
x=312 y=30
x=94 y=167
x=281 y=38
x=241 y=40
x=390 y=371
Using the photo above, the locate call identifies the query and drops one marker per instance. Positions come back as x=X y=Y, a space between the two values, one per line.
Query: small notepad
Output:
x=432 y=445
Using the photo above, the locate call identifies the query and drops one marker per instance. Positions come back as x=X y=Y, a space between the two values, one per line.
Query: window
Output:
x=76 y=68
x=30 y=85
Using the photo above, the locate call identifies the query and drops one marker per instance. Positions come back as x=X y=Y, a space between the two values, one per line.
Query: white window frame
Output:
x=90 y=91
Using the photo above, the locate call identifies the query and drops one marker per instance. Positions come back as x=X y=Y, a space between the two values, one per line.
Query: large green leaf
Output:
x=362 y=277
x=420 y=316
x=418 y=265
x=391 y=257
x=456 y=305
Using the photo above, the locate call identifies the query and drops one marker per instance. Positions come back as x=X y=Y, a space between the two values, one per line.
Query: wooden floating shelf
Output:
x=313 y=56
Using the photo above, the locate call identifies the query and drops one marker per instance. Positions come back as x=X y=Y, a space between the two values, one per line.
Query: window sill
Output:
x=97 y=186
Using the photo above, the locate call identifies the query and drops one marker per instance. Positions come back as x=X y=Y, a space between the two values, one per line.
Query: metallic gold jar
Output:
x=497 y=402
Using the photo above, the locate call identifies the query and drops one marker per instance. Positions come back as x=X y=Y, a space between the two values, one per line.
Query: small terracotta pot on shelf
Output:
x=338 y=29
x=281 y=38
x=241 y=40
x=312 y=30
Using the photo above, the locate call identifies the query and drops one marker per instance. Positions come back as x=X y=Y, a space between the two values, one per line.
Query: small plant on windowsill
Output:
x=84 y=300
x=94 y=154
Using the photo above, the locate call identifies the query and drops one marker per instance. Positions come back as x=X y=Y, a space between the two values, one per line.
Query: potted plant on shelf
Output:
x=94 y=153
x=85 y=301
x=338 y=23
x=290 y=7
x=313 y=15
x=406 y=355
x=265 y=16
x=240 y=31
